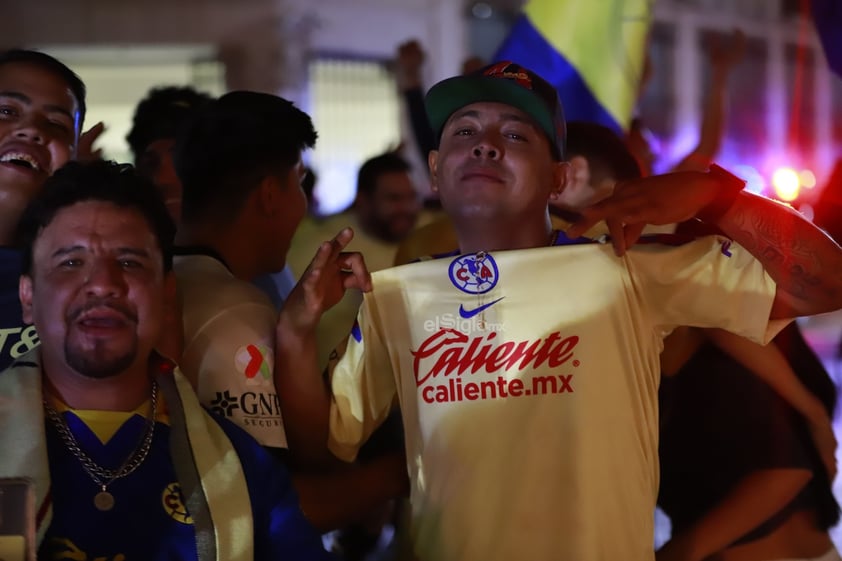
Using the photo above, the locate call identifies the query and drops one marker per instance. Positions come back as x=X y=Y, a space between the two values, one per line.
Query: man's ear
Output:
x=561 y=179
x=268 y=195
x=433 y=163
x=578 y=177
x=580 y=170
x=25 y=295
x=578 y=192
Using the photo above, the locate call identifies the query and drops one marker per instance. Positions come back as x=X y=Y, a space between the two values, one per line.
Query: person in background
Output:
x=239 y=162
x=723 y=58
x=157 y=121
x=42 y=109
x=743 y=474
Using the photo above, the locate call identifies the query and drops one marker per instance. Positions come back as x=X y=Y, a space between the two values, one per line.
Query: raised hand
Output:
x=408 y=63
x=85 y=151
x=725 y=55
x=331 y=272
x=659 y=199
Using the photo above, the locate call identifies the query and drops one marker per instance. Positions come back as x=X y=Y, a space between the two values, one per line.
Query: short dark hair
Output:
x=231 y=145
x=372 y=169
x=607 y=155
x=163 y=113
x=51 y=64
x=99 y=180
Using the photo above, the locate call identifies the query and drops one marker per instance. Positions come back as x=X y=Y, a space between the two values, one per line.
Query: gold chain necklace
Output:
x=103 y=477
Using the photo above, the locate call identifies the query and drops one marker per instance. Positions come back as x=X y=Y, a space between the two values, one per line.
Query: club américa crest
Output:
x=474 y=273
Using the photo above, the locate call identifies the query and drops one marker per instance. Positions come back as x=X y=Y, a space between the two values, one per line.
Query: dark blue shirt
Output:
x=16 y=337
x=149 y=520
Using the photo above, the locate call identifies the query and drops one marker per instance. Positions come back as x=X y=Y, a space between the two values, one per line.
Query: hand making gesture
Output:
x=331 y=272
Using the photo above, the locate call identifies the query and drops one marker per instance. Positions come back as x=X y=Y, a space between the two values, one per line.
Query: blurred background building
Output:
x=333 y=57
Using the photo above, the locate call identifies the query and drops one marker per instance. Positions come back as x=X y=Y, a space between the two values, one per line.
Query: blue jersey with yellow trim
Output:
x=149 y=520
x=16 y=337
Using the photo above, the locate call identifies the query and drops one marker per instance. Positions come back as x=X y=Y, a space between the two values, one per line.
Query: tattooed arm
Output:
x=805 y=263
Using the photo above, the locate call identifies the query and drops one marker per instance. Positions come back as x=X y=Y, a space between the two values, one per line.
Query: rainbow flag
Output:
x=592 y=51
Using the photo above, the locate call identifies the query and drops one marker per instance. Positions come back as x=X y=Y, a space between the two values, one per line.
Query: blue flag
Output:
x=591 y=51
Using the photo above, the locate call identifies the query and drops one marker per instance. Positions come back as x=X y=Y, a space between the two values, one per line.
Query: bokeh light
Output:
x=786 y=183
x=807 y=179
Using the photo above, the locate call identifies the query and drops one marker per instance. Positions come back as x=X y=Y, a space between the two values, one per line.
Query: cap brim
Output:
x=448 y=96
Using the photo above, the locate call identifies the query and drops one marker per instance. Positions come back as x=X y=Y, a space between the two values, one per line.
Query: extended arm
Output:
x=335 y=499
x=723 y=59
x=804 y=262
x=304 y=394
x=755 y=499
x=770 y=365
x=408 y=74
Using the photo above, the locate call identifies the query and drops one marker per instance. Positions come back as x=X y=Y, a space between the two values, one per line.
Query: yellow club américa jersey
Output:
x=527 y=382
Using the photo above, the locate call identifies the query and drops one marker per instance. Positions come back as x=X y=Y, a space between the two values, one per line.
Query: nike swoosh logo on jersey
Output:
x=467 y=314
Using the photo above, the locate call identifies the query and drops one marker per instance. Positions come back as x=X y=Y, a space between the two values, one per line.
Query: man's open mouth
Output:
x=20 y=159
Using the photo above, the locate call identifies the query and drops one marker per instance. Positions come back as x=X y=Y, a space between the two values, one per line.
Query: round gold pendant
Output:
x=104 y=501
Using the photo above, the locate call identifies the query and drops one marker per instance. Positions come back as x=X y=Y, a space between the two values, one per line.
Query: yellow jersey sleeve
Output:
x=709 y=282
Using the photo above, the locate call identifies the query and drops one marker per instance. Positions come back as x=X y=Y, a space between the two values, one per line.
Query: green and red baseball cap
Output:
x=502 y=82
